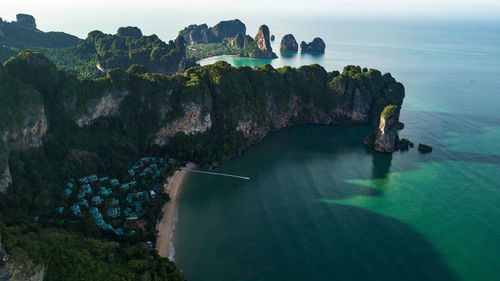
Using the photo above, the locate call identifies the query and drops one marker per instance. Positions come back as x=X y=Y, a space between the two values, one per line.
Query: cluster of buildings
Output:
x=112 y=204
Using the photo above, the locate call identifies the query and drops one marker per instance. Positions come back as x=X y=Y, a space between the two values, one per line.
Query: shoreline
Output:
x=170 y=210
x=214 y=57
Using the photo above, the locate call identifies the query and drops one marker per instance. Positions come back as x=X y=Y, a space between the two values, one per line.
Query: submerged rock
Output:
x=273 y=37
x=317 y=45
x=26 y=20
x=386 y=139
x=288 y=43
x=423 y=148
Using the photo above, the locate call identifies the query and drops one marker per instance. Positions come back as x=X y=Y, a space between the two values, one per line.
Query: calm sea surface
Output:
x=321 y=206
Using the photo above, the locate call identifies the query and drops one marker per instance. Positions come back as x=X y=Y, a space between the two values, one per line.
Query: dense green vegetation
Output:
x=110 y=144
x=98 y=53
x=225 y=38
x=195 y=34
x=16 y=35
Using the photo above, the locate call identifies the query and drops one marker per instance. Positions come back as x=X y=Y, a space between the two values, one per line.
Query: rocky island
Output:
x=227 y=38
x=289 y=44
x=317 y=45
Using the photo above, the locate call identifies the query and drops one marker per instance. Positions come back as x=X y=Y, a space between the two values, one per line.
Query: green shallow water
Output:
x=321 y=206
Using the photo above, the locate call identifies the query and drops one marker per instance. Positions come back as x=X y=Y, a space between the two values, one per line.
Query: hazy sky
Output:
x=79 y=17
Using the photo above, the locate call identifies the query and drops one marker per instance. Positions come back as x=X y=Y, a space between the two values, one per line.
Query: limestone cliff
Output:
x=288 y=43
x=386 y=138
x=238 y=41
x=193 y=120
x=23 y=123
x=19 y=271
x=262 y=40
x=108 y=105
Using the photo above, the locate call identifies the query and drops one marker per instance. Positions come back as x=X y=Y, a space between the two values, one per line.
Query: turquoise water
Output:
x=321 y=206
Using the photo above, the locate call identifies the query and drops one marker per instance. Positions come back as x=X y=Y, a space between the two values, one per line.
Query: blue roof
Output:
x=124 y=186
x=104 y=179
x=80 y=195
x=113 y=212
x=119 y=231
x=75 y=207
x=68 y=191
x=70 y=185
x=97 y=216
x=60 y=210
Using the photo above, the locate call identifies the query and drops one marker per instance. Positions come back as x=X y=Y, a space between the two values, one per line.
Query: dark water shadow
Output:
x=288 y=54
x=381 y=165
x=354 y=245
x=312 y=54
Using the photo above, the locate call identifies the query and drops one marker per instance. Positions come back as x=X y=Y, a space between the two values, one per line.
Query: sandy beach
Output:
x=170 y=209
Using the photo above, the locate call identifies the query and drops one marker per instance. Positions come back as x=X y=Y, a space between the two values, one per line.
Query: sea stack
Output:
x=26 y=20
x=288 y=43
x=386 y=139
x=273 y=37
x=317 y=45
x=263 y=43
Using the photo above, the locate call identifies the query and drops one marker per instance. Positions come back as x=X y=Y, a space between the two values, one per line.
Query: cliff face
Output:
x=192 y=121
x=23 y=123
x=262 y=39
x=25 y=271
x=386 y=139
x=196 y=34
x=108 y=105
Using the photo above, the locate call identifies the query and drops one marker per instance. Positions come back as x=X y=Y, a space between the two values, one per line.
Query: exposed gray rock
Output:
x=262 y=39
x=288 y=43
x=387 y=139
x=108 y=105
x=194 y=120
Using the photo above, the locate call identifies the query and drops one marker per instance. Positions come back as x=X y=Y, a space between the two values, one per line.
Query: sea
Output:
x=320 y=205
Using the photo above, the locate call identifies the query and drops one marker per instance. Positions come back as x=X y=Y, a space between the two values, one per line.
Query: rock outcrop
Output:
x=263 y=43
x=262 y=39
x=199 y=34
x=238 y=41
x=108 y=105
x=227 y=29
x=26 y=20
x=129 y=32
x=23 y=123
x=193 y=120
x=386 y=139
x=288 y=43
x=317 y=45
x=423 y=148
